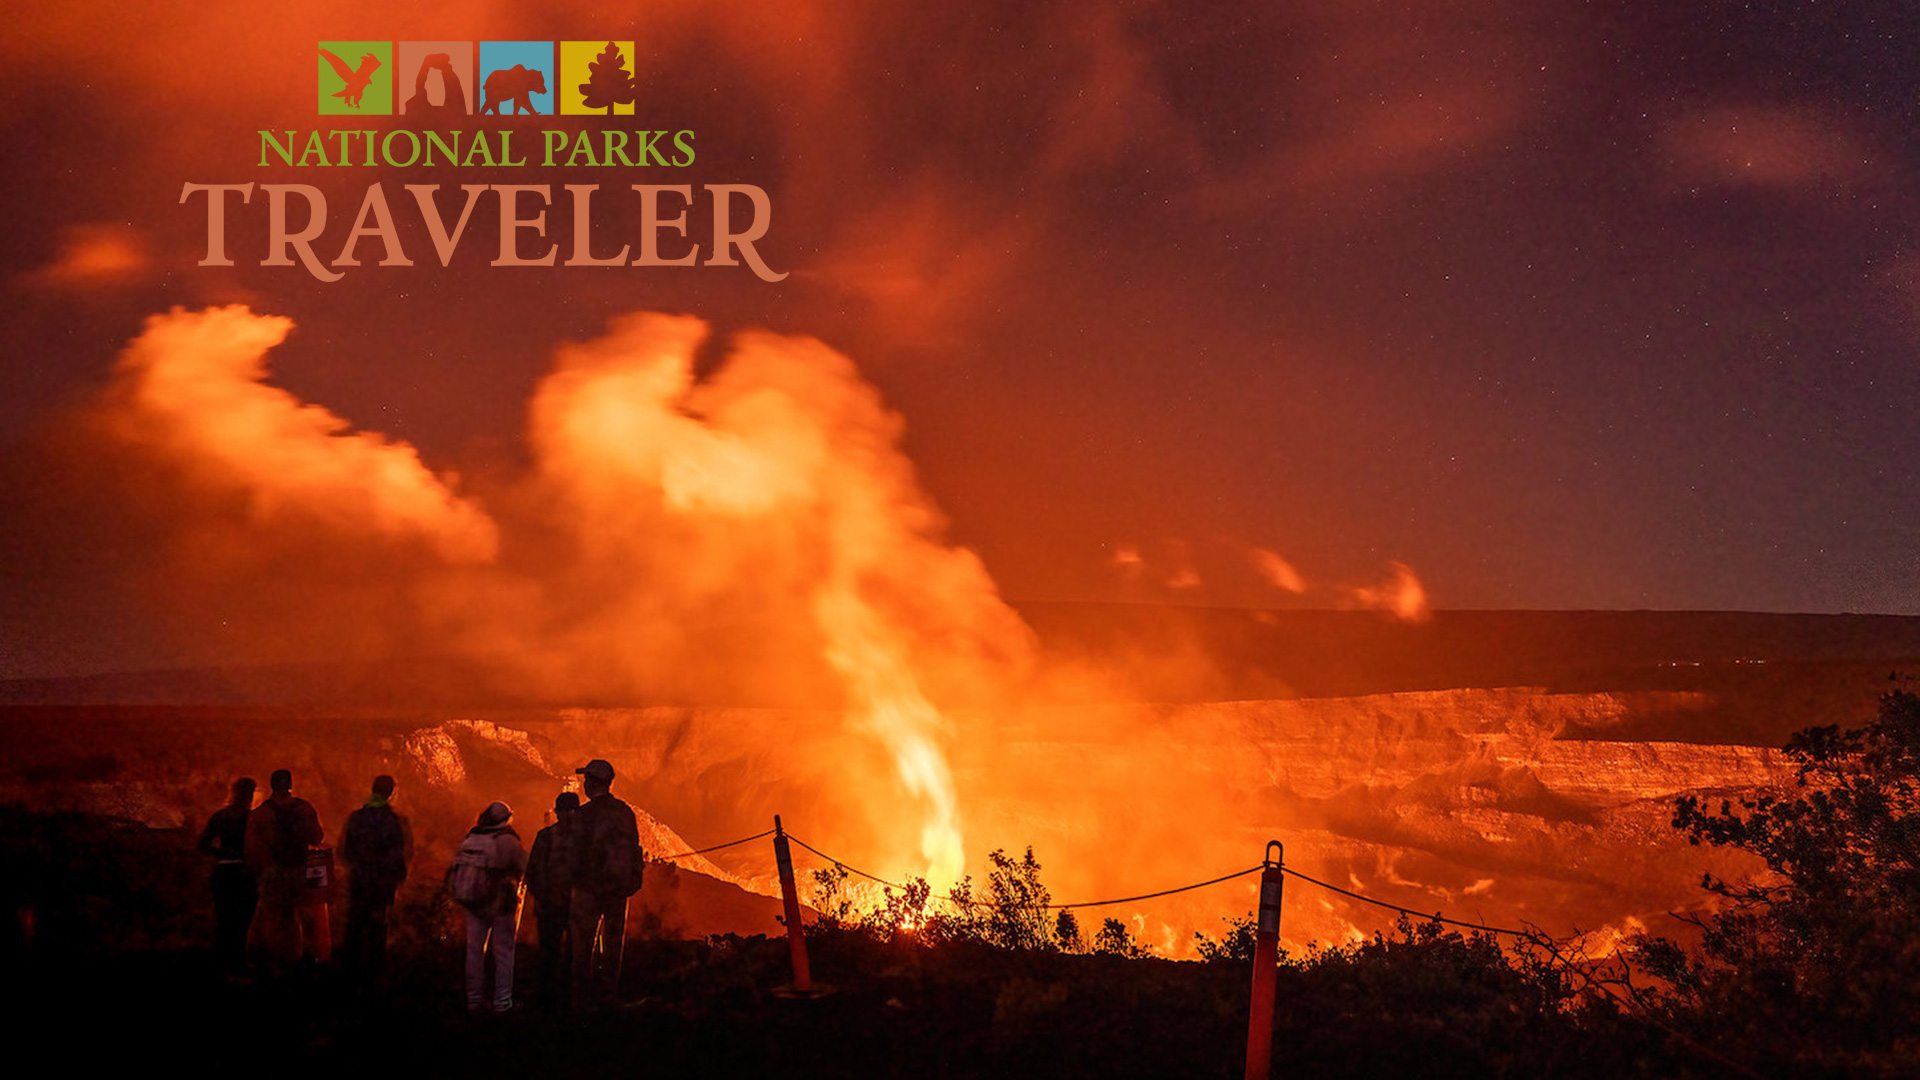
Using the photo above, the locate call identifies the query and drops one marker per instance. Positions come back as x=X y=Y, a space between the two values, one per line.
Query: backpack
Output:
x=607 y=855
x=625 y=867
x=470 y=879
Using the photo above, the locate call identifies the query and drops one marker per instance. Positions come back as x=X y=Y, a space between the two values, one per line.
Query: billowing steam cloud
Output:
x=189 y=389
x=96 y=255
x=756 y=536
x=756 y=533
x=1401 y=595
x=778 y=487
x=1277 y=571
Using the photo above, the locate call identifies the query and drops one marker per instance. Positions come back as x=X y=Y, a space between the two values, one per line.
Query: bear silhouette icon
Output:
x=513 y=84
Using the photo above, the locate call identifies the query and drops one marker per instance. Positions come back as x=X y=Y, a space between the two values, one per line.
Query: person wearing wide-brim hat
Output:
x=607 y=866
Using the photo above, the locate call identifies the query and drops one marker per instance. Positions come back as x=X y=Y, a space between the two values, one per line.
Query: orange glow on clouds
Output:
x=756 y=532
x=191 y=388
x=1277 y=571
x=97 y=255
x=1401 y=595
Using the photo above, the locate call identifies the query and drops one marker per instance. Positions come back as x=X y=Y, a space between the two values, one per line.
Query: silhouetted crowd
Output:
x=273 y=877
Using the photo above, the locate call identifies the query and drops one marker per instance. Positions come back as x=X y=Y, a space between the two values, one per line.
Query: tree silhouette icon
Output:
x=608 y=81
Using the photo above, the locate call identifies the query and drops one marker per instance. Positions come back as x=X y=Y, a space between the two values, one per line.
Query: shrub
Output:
x=1066 y=933
x=830 y=899
x=1813 y=966
x=1017 y=903
x=1235 y=946
x=1115 y=939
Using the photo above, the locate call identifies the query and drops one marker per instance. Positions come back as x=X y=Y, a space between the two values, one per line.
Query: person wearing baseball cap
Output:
x=607 y=867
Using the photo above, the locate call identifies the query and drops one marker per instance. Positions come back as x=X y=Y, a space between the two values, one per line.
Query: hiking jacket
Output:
x=376 y=845
x=605 y=834
x=225 y=837
x=279 y=832
x=550 y=865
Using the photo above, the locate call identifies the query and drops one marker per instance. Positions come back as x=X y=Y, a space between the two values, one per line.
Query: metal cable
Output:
x=1049 y=907
x=716 y=847
x=1529 y=935
x=1165 y=892
x=1435 y=917
x=1548 y=943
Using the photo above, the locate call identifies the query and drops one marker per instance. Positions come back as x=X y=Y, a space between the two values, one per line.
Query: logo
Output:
x=595 y=78
x=516 y=75
x=438 y=81
x=442 y=80
x=447 y=104
x=356 y=78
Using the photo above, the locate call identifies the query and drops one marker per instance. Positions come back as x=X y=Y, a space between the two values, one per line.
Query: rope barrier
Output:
x=1048 y=907
x=716 y=847
x=1532 y=936
x=1435 y=917
x=1529 y=935
x=1167 y=892
x=849 y=869
x=856 y=871
x=1548 y=944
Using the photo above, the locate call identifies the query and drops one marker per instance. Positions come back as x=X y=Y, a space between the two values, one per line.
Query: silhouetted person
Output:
x=376 y=846
x=485 y=879
x=279 y=832
x=550 y=883
x=606 y=870
x=234 y=890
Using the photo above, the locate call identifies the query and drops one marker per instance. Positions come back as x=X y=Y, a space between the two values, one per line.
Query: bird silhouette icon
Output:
x=356 y=80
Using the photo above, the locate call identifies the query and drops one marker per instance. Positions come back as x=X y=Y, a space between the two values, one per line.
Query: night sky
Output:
x=1557 y=305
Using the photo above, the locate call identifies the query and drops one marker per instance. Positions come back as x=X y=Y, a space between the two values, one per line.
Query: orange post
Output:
x=790 y=896
x=1266 y=958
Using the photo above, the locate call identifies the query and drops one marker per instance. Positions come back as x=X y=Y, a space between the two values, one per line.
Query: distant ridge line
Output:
x=1173 y=654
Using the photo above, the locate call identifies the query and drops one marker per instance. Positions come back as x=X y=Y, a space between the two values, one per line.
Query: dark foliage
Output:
x=1066 y=933
x=84 y=883
x=923 y=987
x=1234 y=946
x=1813 y=968
x=1017 y=903
x=1431 y=1001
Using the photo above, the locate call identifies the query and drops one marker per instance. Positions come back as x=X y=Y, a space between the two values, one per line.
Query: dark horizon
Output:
x=1767 y=674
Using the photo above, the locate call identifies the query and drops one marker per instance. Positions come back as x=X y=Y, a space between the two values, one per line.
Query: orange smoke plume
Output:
x=778 y=486
x=95 y=255
x=755 y=535
x=1401 y=595
x=1277 y=571
x=191 y=389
